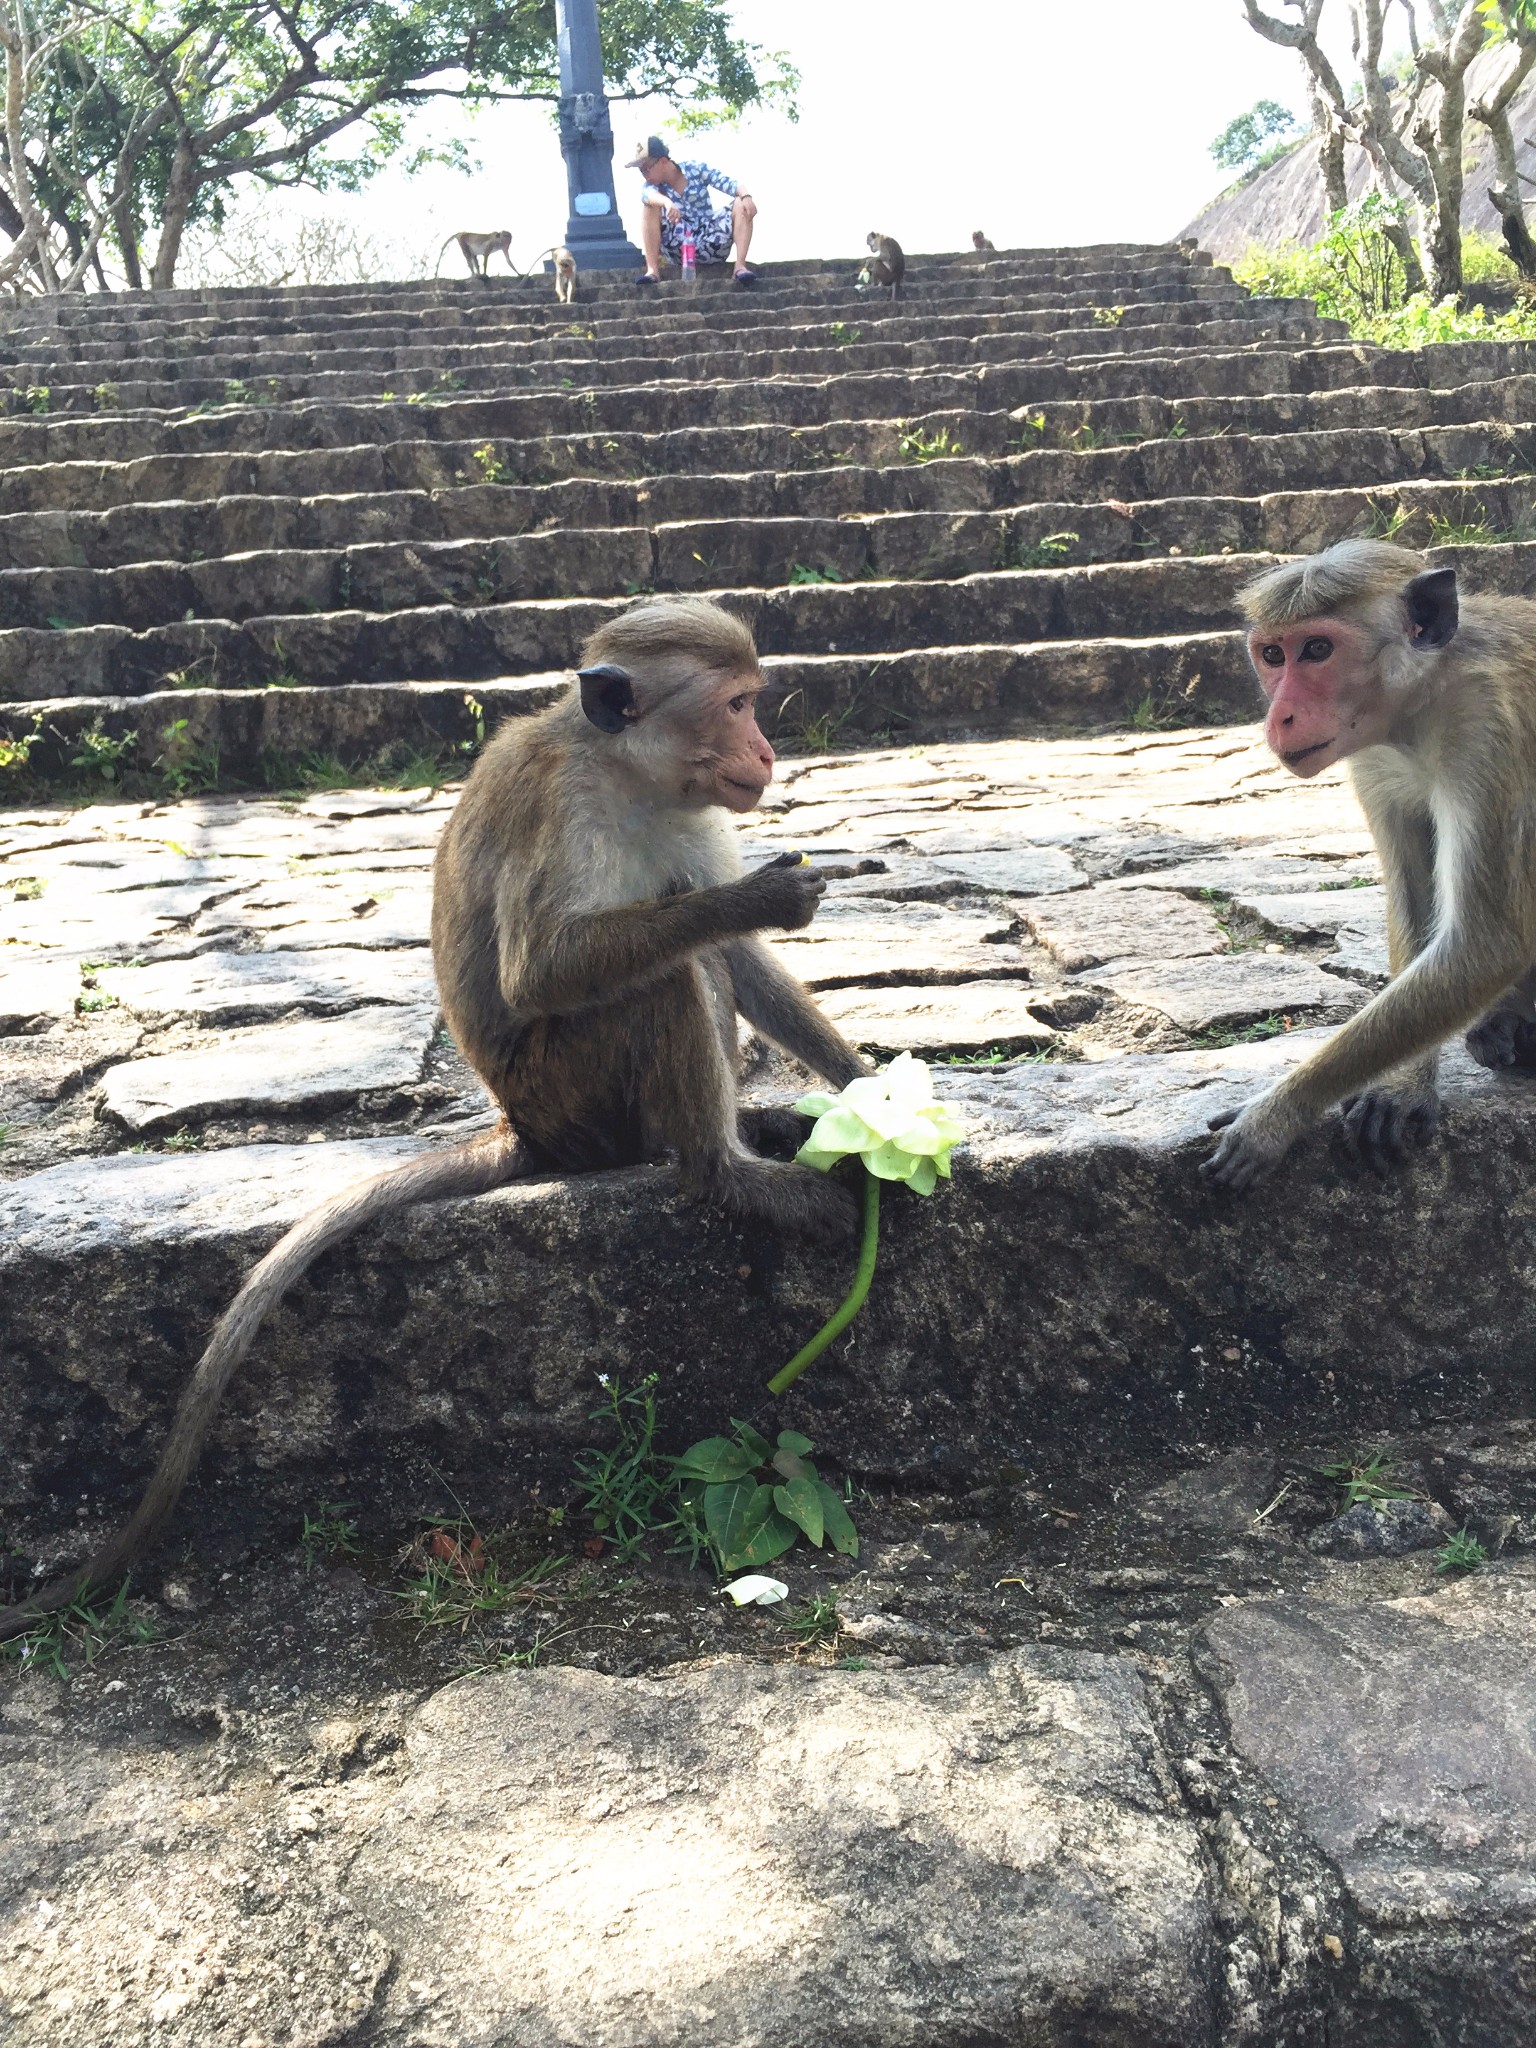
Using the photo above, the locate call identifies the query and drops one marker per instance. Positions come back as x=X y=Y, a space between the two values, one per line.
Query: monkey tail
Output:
x=472 y=1168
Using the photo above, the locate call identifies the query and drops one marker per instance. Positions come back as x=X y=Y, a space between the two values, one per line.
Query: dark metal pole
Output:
x=594 y=232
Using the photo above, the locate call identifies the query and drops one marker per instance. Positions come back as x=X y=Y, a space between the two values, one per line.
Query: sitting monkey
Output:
x=594 y=938
x=1366 y=656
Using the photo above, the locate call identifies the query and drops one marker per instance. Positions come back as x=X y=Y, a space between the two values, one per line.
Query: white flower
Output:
x=760 y=1592
x=890 y=1120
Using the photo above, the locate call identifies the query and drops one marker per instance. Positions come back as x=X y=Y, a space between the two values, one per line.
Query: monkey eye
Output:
x=1272 y=654
x=1318 y=648
x=738 y=703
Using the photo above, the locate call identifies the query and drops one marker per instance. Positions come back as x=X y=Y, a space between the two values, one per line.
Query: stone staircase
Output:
x=270 y=564
x=302 y=522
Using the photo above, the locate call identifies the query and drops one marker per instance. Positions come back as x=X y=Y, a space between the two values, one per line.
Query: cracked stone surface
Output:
x=280 y=1068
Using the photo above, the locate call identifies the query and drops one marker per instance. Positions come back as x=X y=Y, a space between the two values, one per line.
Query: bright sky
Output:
x=1038 y=121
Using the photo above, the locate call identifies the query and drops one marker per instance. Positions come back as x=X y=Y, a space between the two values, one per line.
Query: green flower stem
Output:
x=836 y=1325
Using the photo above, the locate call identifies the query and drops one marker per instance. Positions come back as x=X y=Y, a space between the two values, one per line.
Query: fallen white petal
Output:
x=760 y=1592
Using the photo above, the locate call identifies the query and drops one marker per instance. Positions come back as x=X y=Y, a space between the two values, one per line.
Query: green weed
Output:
x=817 y=1623
x=27 y=888
x=844 y=336
x=459 y=1579
x=184 y=1141
x=802 y=572
x=1472 y=533
x=16 y=748
x=1048 y=552
x=329 y=1532
x=104 y=397
x=1219 y=1035
x=187 y=766
x=99 y=753
x=1108 y=316
x=491 y=467
x=1461 y=1553
x=1032 y=429
x=37 y=397
x=1367 y=1479
x=80 y=1634
x=919 y=447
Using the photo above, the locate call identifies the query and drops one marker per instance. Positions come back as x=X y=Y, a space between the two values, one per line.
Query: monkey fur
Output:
x=979 y=241
x=887 y=264
x=594 y=938
x=1365 y=655
x=477 y=250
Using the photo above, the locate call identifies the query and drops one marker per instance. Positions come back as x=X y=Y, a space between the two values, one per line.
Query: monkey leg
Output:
x=1506 y=1036
x=685 y=1081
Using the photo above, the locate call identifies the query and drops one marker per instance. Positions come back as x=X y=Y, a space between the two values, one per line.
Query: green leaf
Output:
x=788 y=1466
x=759 y=1446
x=715 y=1459
x=767 y=1540
x=839 y=1523
x=799 y=1500
x=792 y=1440
x=727 y=1511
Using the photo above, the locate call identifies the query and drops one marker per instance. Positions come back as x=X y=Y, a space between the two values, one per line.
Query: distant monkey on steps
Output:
x=477 y=250
x=595 y=939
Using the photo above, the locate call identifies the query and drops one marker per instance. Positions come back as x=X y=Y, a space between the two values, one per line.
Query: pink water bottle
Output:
x=689 y=257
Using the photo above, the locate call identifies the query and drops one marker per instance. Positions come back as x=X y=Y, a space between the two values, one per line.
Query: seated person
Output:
x=677 y=196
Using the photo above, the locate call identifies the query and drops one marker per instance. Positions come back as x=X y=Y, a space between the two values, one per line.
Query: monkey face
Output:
x=735 y=763
x=1326 y=695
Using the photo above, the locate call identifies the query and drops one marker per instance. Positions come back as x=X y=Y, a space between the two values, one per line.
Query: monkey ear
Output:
x=606 y=697
x=1432 y=607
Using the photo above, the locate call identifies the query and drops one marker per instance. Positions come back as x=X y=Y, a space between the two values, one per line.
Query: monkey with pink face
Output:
x=1368 y=657
x=595 y=939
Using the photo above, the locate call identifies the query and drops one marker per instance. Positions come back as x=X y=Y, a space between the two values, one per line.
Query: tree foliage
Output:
x=1252 y=136
x=138 y=118
x=1410 y=120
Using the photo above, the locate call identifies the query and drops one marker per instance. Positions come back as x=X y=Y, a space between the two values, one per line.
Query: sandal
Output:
x=645 y=279
x=745 y=280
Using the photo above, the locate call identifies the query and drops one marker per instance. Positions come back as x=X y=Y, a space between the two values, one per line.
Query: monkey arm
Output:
x=773 y=1002
x=592 y=959
x=1447 y=987
x=1405 y=842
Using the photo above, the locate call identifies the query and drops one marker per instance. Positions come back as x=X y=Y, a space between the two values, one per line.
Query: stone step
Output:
x=208 y=380
x=349 y=345
x=34 y=439
x=865 y=560
x=1121 y=266
x=773 y=467
x=751 y=543
x=448 y=690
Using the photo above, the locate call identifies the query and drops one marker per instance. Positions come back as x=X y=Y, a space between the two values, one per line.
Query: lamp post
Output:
x=594 y=233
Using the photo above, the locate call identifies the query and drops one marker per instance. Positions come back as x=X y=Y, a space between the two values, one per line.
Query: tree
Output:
x=1249 y=140
x=1411 y=122
x=147 y=116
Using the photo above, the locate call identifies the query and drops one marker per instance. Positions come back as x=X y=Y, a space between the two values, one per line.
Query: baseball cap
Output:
x=653 y=145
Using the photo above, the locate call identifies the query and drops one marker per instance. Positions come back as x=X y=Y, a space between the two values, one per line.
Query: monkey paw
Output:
x=1503 y=1039
x=1381 y=1128
x=1245 y=1153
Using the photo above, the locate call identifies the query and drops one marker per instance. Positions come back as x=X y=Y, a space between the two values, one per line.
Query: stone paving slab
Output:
x=280 y=1067
x=730 y=1853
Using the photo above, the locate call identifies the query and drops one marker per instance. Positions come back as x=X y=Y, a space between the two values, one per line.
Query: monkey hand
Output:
x=785 y=895
x=1504 y=1038
x=1253 y=1141
x=1383 y=1124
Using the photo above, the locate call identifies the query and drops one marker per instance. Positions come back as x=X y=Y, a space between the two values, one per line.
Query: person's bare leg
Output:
x=650 y=239
x=741 y=223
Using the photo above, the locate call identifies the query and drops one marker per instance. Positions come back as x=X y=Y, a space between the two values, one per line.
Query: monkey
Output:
x=565 y=276
x=595 y=938
x=1366 y=655
x=477 y=251
x=979 y=241
x=887 y=265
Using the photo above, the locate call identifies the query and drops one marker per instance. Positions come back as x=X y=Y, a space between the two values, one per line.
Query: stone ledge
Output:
x=1078 y=1290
